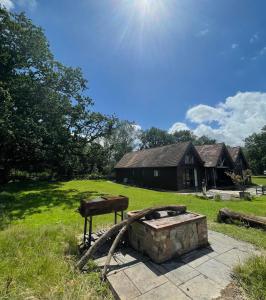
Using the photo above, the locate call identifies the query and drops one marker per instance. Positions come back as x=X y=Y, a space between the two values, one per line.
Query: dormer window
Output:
x=189 y=159
x=221 y=162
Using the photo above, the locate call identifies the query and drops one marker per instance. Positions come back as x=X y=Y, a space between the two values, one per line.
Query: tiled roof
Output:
x=165 y=156
x=210 y=154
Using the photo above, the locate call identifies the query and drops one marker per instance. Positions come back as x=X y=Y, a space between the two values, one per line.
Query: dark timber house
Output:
x=217 y=160
x=179 y=166
x=173 y=167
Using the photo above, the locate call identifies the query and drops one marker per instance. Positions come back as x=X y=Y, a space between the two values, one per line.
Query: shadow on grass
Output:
x=40 y=197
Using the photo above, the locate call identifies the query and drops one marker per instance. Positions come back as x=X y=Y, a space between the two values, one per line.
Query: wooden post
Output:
x=90 y=230
x=85 y=229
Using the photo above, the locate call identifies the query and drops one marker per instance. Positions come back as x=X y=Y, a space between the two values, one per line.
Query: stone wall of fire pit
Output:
x=168 y=236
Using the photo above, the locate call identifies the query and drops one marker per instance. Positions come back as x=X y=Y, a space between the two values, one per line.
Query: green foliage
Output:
x=204 y=140
x=155 y=137
x=255 y=148
x=123 y=139
x=251 y=277
x=217 y=197
x=184 y=136
x=46 y=119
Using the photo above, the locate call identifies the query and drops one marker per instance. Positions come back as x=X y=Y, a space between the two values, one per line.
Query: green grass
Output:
x=252 y=277
x=40 y=222
x=261 y=180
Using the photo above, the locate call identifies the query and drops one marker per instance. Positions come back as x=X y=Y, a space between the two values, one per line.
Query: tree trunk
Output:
x=115 y=229
x=225 y=215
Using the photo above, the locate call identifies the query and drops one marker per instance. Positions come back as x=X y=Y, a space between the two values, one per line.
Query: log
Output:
x=112 y=250
x=180 y=209
x=225 y=215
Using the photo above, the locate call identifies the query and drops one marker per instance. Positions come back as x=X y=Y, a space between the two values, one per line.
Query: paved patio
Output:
x=199 y=275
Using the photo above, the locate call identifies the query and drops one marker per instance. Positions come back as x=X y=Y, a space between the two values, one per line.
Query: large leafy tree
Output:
x=46 y=119
x=204 y=140
x=255 y=148
x=155 y=137
x=123 y=139
x=184 y=136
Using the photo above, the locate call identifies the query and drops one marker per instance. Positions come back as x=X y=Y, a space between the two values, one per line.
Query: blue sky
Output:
x=192 y=64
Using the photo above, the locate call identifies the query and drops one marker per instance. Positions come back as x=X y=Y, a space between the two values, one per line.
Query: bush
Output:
x=217 y=197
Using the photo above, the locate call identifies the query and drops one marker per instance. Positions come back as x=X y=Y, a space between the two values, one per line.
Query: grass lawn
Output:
x=261 y=180
x=40 y=222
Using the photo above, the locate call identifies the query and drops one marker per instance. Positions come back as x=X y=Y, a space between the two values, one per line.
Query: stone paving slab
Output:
x=165 y=291
x=201 y=288
x=145 y=276
x=198 y=275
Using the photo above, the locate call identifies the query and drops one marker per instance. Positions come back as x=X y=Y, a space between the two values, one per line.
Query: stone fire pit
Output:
x=168 y=236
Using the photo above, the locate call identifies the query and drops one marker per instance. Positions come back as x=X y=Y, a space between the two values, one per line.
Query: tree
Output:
x=155 y=137
x=124 y=138
x=184 y=136
x=255 y=149
x=46 y=119
x=204 y=140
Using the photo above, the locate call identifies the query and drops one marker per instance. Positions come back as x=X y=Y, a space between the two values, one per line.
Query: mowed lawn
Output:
x=40 y=224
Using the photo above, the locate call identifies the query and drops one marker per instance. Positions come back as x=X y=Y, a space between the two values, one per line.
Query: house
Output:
x=239 y=159
x=179 y=166
x=217 y=161
x=172 y=167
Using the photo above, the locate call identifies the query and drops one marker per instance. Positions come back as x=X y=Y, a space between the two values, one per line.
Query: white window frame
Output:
x=156 y=173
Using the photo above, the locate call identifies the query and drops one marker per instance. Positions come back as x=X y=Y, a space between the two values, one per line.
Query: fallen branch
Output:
x=225 y=215
x=115 y=229
x=112 y=250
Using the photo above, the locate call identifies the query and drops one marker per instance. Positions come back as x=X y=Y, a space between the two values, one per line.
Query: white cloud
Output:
x=234 y=46
x=233 y=120
x=8 y=4
x=177 y=127
x=254 y=38
x=205 y=113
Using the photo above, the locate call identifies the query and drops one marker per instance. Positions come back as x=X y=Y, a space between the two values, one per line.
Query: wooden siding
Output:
x=144 y=177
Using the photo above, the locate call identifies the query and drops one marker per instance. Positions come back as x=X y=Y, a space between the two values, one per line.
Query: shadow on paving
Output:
x=39 y=198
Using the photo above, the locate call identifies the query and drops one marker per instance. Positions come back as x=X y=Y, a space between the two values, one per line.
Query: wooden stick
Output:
x=114 y=229
x=112 y=250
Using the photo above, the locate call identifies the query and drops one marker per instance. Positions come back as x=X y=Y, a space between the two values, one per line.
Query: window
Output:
x=189 y=159
x=156 y=173
x=187 y=177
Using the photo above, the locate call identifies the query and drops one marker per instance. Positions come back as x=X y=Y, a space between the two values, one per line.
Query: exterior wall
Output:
x=166 y=179
x=162 y=245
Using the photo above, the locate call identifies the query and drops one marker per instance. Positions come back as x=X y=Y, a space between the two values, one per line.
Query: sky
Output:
x=172 y=64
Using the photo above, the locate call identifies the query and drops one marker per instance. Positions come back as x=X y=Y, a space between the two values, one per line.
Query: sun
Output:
x=148 y=8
